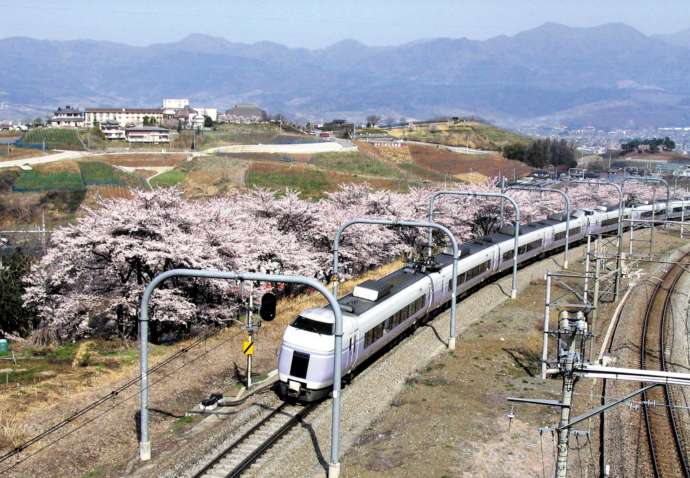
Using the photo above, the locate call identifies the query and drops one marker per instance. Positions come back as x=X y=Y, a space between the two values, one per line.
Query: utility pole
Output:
x=574 y=330
x=250 y=332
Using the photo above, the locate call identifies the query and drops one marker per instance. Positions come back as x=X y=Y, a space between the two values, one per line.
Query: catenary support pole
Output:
x=547 y=316
x=430 y=225
x=619 y=232
x=145 y=440
x=566 y=199
x=516 y=227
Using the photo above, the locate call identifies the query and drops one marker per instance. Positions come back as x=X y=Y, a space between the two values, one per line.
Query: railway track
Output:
x=665 y=437
x=243 y=452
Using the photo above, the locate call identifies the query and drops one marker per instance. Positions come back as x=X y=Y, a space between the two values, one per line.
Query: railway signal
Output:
x=267 y=312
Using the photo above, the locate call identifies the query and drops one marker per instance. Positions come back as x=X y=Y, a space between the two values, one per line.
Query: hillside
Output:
x=554 y=73
x=471 y=134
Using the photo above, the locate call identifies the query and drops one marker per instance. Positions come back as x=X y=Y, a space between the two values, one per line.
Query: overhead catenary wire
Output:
x=134 y=395
x=113 y=394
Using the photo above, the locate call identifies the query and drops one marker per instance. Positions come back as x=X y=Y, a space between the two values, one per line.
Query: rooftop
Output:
x=151 y=129
x=125 y=110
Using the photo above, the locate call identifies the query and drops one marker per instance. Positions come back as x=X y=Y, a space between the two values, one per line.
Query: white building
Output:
x=210 y=112
x=147 y=134
x=112 y=130
x=124 y=116
x=66 y=117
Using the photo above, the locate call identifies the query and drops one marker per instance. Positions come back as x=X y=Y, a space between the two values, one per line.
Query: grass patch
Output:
x=168 y=179
x=54 y=138
x=35 y=180
x=239 y=134
x=183 y=422
x=311 y=182
x=61 y=353
x=93 y=473
x=354 y=163
x=94 y=173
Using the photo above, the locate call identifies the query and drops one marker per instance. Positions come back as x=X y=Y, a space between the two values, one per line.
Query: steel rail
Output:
x=262 y=447
x=662 y=289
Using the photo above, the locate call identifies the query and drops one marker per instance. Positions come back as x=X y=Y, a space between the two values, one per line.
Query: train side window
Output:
x=525 y=248
x=508 y=255
x=561 y=235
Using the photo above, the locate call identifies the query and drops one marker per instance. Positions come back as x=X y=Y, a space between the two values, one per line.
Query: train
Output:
x=377 y=312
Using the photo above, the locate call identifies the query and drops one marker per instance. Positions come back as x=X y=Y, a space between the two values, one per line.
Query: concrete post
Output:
x=619 y=234
x=547 y=314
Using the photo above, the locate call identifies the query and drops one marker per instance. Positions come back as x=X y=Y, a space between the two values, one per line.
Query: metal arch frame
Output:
x=430 y=225
x=145 y=442
x=647 y=179
x=567 y=212
x=513 y=292
x=619 y=232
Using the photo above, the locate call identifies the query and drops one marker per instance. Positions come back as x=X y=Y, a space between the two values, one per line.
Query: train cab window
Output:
x=646 y=214
x=309 y=325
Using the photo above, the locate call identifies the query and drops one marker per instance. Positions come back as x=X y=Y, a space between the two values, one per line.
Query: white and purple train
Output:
x=377 y=312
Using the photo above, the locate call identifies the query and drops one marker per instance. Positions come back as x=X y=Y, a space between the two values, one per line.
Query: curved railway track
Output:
x=665 y=438
x=243 y=452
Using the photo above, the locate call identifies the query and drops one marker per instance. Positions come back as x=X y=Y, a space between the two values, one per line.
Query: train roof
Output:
x=387 y=286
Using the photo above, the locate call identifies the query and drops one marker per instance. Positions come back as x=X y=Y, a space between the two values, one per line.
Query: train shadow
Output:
x=315 y=443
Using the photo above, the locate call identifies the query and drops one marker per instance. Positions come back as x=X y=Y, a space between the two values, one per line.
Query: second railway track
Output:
x=665 y=437
x=243 y=452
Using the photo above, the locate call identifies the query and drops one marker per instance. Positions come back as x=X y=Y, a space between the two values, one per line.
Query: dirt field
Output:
x=311 y=181
x=18 y=153
x=452 y=418
x=446 y=162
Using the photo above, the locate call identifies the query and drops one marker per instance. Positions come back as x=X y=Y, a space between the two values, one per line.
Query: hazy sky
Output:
x=316 y=23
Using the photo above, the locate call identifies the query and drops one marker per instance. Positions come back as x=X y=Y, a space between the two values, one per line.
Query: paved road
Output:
x=303 y=148
x=64 y=155
x=454 y=149
x=50 y=158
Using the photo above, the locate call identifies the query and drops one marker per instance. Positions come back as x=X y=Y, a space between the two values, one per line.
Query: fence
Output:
x=30 y=241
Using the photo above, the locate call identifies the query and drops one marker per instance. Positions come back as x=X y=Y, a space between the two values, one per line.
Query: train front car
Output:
x=305 y=364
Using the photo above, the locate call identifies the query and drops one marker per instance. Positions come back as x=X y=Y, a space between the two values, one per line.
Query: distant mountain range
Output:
x=608 y=76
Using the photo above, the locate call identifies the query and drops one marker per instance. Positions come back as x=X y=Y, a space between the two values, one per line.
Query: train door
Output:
x=351 y=351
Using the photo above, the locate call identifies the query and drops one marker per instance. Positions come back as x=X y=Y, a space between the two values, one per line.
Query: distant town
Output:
x=161 y=124
x=591 y=140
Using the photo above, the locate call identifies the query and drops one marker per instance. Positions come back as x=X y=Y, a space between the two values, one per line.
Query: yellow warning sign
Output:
x=248 y=347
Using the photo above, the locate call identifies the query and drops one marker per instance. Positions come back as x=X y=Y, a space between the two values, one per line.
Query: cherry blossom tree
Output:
x=91 y=279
